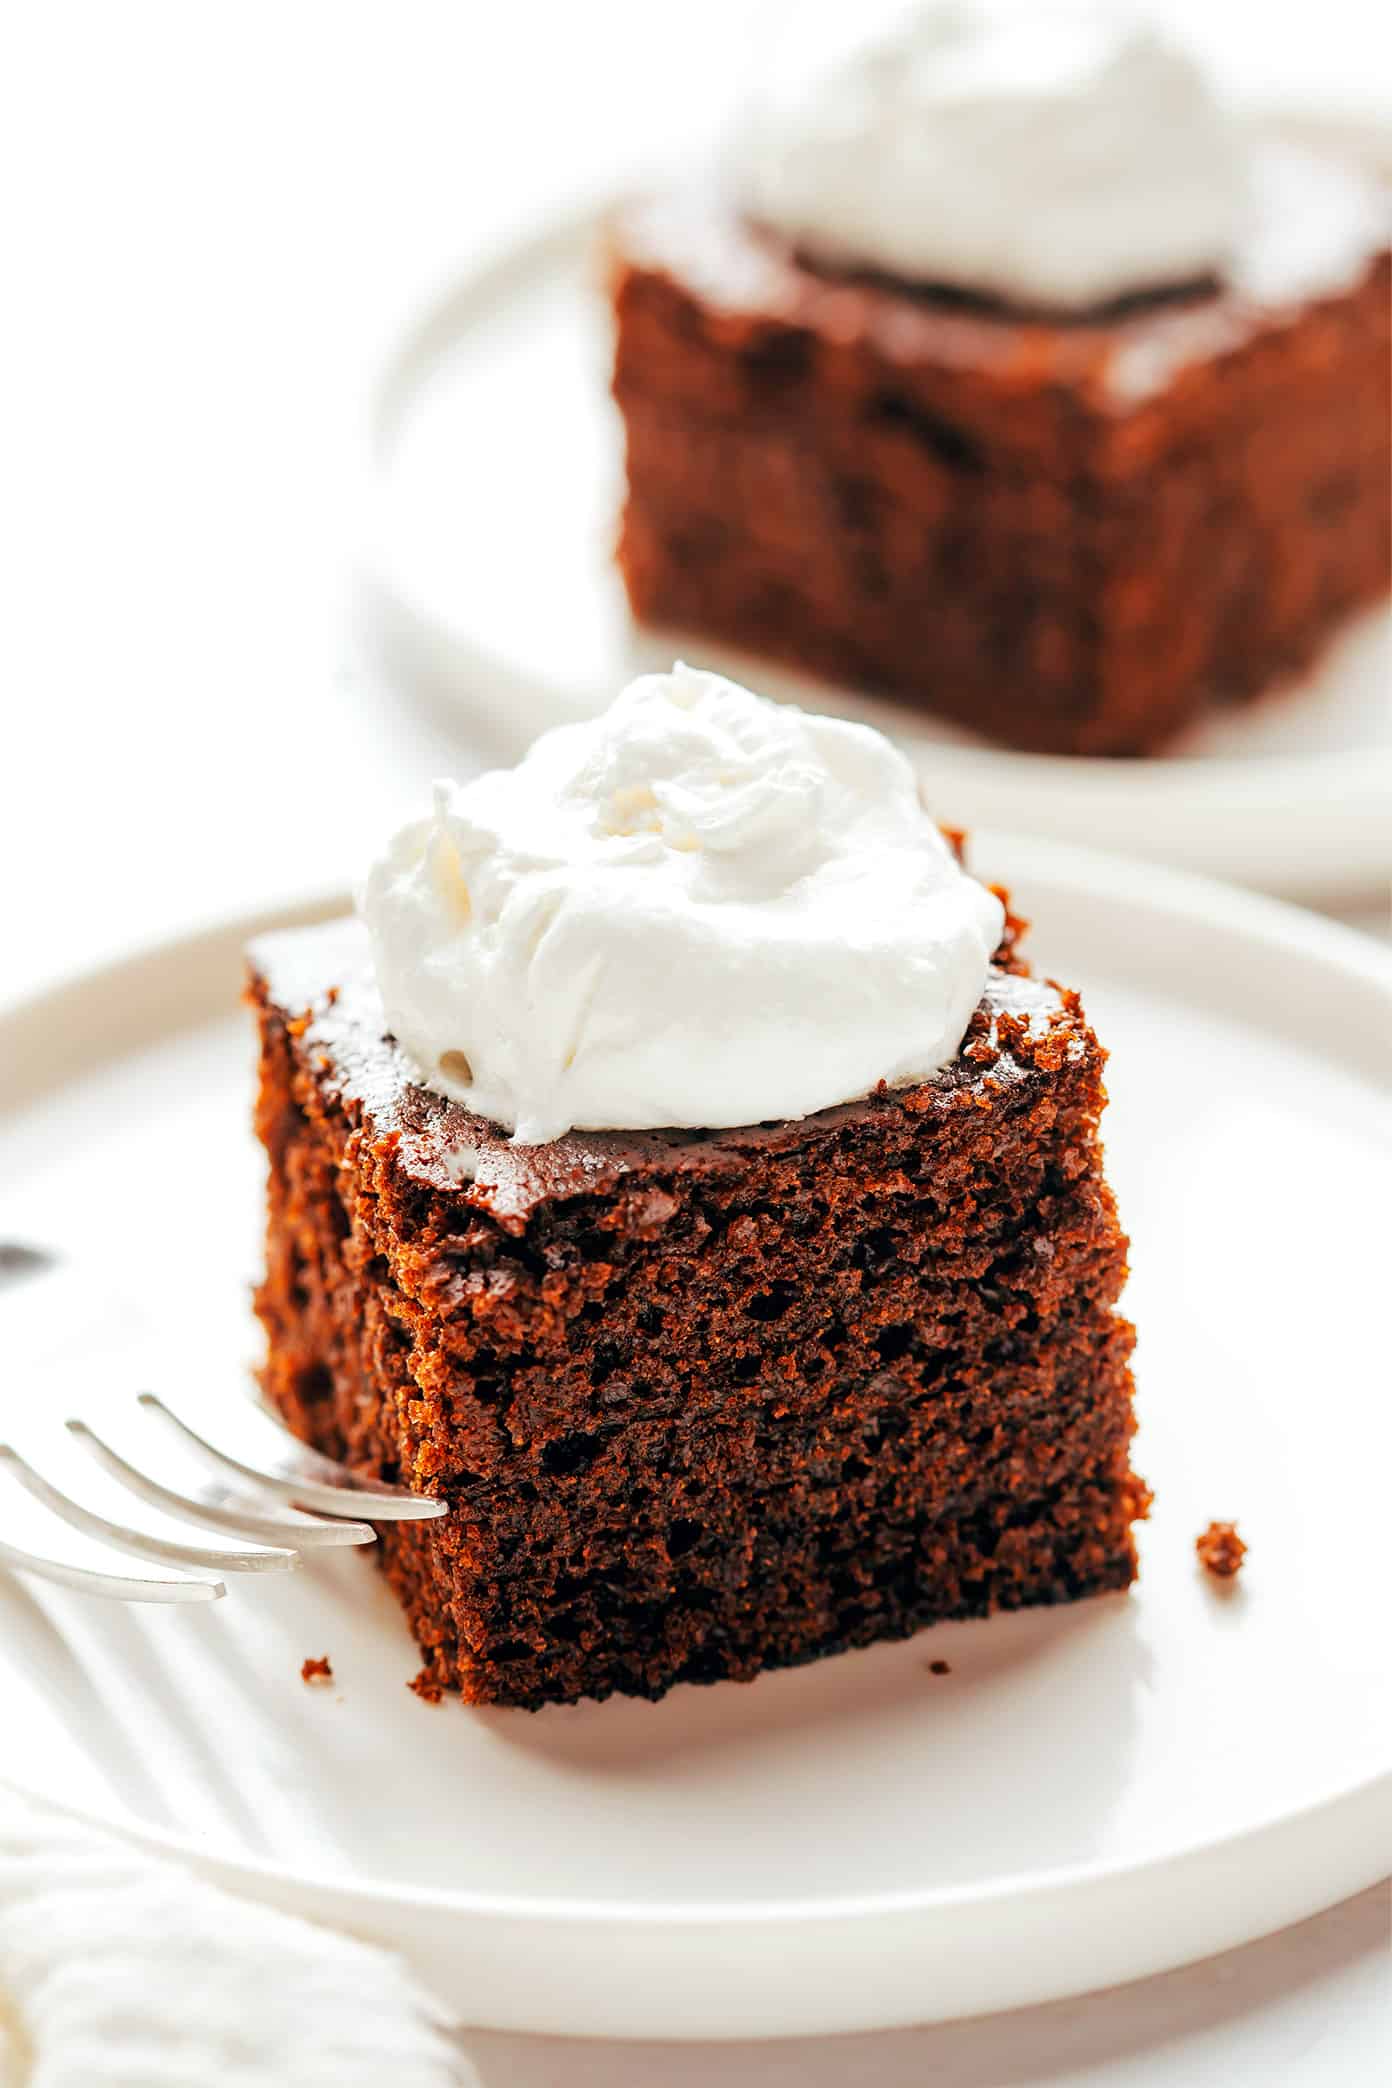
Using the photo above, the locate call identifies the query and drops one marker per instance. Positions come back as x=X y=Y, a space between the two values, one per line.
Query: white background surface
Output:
x=215 y=217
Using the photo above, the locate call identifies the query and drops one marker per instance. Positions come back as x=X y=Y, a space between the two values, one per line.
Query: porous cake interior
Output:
x=707 y=1404
x=1068 y=536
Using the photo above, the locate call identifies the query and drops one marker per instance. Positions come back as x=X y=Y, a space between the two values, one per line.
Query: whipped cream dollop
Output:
x=699 y=908
x=1055 y=154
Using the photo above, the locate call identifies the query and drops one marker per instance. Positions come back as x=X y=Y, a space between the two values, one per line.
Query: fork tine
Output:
x=144 y=1545
x=122 y=1587
x=303 y=1476
x=224 y=1513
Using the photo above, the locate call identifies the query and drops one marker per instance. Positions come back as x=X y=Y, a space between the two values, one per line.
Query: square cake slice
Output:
x=1068 y=533
x=702 y=1403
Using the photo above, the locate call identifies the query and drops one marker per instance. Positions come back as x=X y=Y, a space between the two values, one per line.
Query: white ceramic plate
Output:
x=1090 y=1795
x=494 y=484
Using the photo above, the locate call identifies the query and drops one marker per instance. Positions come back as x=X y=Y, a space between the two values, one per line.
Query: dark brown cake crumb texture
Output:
x=702 y=1403
x=981 y=512
x=1220 y=1549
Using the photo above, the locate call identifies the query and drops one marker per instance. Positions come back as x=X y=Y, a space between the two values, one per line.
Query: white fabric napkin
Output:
x=118 y=1971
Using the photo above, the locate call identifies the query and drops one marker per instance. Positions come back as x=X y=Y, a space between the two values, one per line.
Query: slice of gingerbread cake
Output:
x=710 y=1396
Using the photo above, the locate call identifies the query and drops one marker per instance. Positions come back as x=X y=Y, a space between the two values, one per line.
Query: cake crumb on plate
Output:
x=1220 y=1549
x=316 y=1671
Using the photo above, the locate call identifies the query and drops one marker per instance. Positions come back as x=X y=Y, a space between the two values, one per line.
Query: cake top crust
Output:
x=320 y=979
x=1115 y=354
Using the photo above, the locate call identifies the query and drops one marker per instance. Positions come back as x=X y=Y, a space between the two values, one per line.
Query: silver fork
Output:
x=271 y=1496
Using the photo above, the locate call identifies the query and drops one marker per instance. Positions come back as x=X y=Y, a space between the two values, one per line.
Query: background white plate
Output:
x=1090 y=1795
x=494 y=484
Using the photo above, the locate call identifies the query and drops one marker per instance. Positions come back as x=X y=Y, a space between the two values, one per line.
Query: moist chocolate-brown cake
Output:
x=702 y=1402
x=1067 y=533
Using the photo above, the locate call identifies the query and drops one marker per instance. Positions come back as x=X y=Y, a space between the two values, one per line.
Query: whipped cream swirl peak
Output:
x=698 y=909
x=1056 y=154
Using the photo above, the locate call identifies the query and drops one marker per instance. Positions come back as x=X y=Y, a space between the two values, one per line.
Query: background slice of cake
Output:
x=1054 y=407
x=702 y=1401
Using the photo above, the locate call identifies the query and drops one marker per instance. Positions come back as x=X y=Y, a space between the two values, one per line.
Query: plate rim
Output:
x=1352 y=782
x=719 y=1914
x=200 y=957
